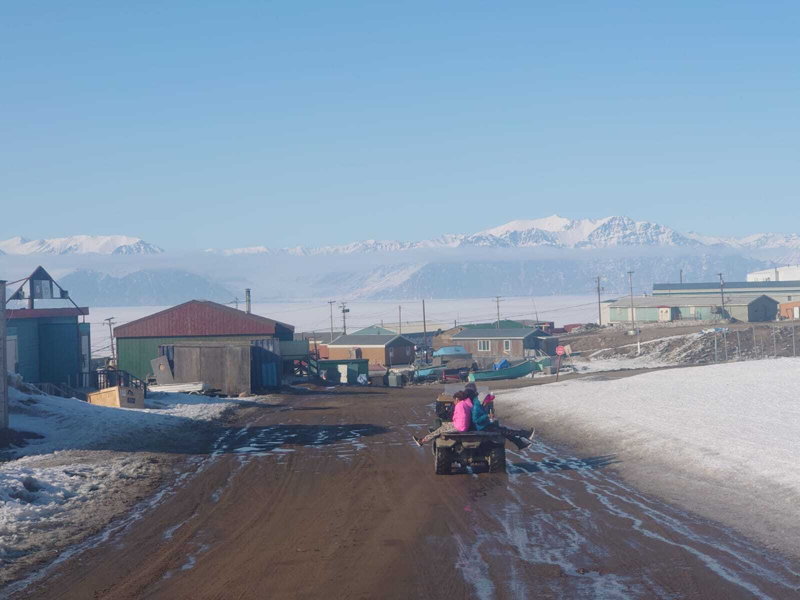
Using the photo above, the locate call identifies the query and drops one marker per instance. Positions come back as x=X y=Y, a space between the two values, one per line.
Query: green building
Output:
x=655 y=309
x=198 y=322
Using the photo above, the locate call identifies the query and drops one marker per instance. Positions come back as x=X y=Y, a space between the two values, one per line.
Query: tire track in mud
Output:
x=354 y=510
x=569 y=530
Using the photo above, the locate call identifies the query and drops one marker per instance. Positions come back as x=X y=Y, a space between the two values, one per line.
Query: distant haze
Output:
x=523 y=258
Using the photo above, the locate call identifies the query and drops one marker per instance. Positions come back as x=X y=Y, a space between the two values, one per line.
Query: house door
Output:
x=11 y=354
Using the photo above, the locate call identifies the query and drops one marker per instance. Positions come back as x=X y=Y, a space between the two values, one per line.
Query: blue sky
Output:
x=197 y=124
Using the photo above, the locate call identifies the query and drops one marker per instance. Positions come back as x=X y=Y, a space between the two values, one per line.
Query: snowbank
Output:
x=89 y=465
x=67 y=423
x=723 y=440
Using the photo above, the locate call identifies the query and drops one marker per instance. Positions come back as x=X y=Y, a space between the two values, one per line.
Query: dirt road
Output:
x=326 y=496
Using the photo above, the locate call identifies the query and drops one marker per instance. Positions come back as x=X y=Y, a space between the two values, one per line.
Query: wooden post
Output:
x=3 y=366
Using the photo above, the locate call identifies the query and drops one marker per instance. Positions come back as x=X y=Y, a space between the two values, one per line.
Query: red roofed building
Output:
x=193 y=321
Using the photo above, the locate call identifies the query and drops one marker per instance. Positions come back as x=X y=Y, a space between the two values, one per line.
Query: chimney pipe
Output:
x=247 y=301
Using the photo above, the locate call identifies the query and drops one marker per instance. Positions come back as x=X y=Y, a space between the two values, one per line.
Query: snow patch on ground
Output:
x=67 y=423
x=721 y=439
x=80 y=474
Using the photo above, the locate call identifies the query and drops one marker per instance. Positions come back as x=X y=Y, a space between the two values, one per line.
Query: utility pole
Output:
x=110 y=321
x=681 y=276
x=345 y=310
x=633 y=317
x=247 y=305
x=400 y=320
x=424 y=332
x=599 y=310
x=535 y=310
x=497 y=300
x=331 y=303
x=722 y=293
x=3 y=359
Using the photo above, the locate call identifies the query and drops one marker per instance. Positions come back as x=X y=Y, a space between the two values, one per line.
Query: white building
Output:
x=790 y=273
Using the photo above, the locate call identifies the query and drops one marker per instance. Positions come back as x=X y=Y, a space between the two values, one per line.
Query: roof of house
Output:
x=43 y=313
x=714 y=285
x=676 y=300
x=367 y=340
x=508 y=334
x=504 y=324
x=374 y=330
x=201 y=318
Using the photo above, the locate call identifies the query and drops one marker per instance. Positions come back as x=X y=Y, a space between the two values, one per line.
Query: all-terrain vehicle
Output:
x=470 y=448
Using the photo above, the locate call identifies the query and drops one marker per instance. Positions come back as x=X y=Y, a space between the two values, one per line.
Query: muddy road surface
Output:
x=327 y=496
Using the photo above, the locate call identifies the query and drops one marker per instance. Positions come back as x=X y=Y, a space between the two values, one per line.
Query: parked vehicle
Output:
x=469 y=448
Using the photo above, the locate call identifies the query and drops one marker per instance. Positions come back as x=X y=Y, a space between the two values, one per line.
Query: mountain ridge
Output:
x=79 y=244
x=549 y=232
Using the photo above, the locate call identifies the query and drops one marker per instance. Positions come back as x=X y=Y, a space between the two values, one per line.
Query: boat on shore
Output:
x=520 y=369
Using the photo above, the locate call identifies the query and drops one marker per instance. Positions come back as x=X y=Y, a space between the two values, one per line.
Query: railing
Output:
x=106 y=378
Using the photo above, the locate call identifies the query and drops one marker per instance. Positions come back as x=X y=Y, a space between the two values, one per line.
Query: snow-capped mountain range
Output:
x=550 y=232
x=79 y=244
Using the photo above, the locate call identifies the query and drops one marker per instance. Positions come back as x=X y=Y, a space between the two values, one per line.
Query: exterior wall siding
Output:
x=376 y=356
x=48 y=349
x=134 y=354
x=395 y=354
x=496 y=349
x=27 y=332
x=648 y=314
x=787 y=309
x=59 y=352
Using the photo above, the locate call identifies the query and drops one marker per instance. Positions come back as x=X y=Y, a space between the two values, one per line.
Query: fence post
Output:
x=715 y=346
x=738 y=345
x=774 y=341
x=725 y=344
x=794 y=342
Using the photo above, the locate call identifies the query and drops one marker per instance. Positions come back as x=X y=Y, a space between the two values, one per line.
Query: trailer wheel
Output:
x=497 y=460
x=443 y=458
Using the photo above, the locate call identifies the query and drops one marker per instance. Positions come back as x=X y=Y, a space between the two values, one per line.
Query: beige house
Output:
x=387 y=350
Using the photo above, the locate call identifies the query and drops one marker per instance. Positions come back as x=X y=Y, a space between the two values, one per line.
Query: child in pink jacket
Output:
x=462 y=419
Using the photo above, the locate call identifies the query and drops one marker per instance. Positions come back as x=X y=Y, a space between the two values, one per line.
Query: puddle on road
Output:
x=275 y=438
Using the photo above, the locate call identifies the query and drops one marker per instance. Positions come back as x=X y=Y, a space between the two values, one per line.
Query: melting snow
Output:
x=721 y=439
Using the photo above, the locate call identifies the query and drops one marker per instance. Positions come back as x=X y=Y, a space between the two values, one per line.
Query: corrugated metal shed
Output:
x=670 y=301
x=731 y=287
x=203 y=318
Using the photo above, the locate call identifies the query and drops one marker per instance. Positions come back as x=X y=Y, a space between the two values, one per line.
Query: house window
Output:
x=507 y=345
x=484 y=345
